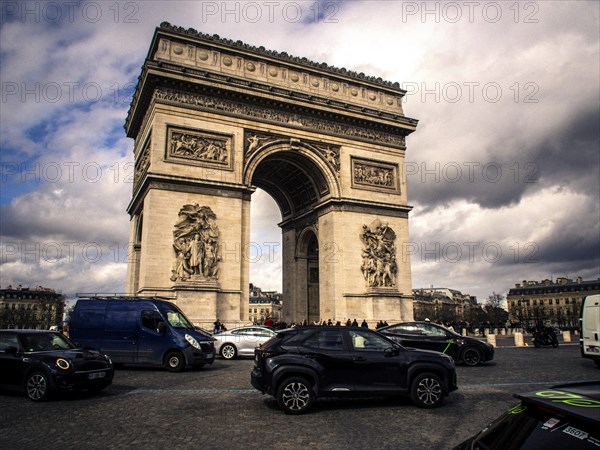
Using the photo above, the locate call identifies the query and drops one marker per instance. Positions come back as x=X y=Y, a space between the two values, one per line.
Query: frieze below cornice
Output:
x=293 y=119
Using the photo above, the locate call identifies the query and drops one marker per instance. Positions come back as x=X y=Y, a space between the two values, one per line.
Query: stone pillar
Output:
x=491 y=338
x=519 y=339
x=567 y=336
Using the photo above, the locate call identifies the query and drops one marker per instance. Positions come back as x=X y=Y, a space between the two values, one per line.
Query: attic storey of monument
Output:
x=213 y=120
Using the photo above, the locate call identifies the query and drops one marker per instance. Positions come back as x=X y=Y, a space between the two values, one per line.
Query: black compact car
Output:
x=430 y=336
x=301 y=364
x=43 y=362
x=565 y=416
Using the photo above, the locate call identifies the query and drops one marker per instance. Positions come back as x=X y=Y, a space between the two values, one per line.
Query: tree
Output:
x=494 y=307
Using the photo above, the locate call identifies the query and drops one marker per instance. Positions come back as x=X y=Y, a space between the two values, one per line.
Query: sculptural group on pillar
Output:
x=379 y=266
x=195 y=242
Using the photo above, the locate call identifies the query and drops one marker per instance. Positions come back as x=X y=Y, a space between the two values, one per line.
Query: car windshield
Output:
x=41 y=342
x=178 y=320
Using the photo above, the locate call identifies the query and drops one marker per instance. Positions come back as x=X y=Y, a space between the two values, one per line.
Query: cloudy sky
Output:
x=503 y=170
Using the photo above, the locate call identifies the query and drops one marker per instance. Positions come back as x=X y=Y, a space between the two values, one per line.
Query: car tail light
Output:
x=267 y=353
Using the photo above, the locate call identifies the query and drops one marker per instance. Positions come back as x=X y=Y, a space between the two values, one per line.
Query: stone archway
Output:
x=213 y=120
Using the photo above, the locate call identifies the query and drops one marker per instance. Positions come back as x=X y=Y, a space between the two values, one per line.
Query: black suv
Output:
x=303 y=363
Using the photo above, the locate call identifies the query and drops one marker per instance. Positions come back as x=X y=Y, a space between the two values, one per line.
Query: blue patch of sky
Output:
x=322 y=11
x=18 y=177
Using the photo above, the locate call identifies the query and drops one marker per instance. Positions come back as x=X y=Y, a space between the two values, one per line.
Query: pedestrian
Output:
x=364 y=324
x=216 y=326
x=354 y=323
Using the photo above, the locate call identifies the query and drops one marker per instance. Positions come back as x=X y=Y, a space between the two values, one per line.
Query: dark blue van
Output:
x=137 y=330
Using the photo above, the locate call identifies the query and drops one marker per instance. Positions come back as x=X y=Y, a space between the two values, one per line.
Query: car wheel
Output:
x=174 y=362
x=37 y=386
x=228 y=351
x=295 y=395
x=426 y=391
x=471 y=356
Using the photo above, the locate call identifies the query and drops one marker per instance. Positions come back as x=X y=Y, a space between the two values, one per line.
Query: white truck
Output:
x=590 y=328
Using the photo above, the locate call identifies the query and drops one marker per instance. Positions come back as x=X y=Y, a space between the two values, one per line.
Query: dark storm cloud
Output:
x=567 y=157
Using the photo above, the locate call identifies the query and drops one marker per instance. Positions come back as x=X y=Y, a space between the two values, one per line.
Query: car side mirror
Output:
x=161 y=328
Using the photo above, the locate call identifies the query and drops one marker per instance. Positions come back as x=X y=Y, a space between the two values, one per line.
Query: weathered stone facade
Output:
x=212 y=120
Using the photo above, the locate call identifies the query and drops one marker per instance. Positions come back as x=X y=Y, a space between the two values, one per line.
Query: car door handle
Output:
x=359 y=359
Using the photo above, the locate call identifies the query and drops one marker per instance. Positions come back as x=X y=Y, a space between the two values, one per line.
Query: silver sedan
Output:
x=241 y=341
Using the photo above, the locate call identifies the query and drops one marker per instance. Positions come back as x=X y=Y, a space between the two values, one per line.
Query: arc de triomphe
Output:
x=212 y=120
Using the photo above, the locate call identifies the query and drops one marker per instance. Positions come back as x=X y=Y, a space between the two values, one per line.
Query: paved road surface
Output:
x=216 y=408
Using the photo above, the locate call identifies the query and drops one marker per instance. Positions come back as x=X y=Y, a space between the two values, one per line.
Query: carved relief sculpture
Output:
x=198 y=146
x=196 y=245
x=254 y=141
x=374 y=175
x=142 y=164
x=379 y=265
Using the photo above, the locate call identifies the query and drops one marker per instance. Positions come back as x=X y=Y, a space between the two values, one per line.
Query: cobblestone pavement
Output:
x=216 y=408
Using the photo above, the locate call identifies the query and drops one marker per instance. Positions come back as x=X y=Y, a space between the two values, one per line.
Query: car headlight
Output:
x=63 y=364
x=193 y=342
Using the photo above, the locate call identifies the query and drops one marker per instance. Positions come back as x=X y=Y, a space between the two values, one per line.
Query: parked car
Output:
x=430 y=336
x=241 y=341
x=140 y=330
x=42 y=362
x=565 y=416
x=301 y=364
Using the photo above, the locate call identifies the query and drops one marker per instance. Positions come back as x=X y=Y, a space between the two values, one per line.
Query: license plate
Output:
x=209 y=355
x=96 y=375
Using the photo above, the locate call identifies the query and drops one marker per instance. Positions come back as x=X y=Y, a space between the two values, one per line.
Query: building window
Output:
x=549 y=301
x=566 y=301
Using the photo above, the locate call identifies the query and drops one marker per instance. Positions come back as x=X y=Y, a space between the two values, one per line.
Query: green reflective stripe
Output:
x=450 y=342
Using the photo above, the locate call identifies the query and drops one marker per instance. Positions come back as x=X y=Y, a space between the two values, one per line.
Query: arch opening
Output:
x=293 y=180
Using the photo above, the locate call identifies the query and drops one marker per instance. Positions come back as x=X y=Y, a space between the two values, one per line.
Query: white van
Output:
x=590 y=328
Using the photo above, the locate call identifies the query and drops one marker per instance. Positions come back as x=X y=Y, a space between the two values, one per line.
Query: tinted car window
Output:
x=8 y=340
x=177 y=320
x=40 y=342
x=405 y=328
x=431 y=330
x=366 y=341
x=151 y=319
x=262 y=333
x=325 y=340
